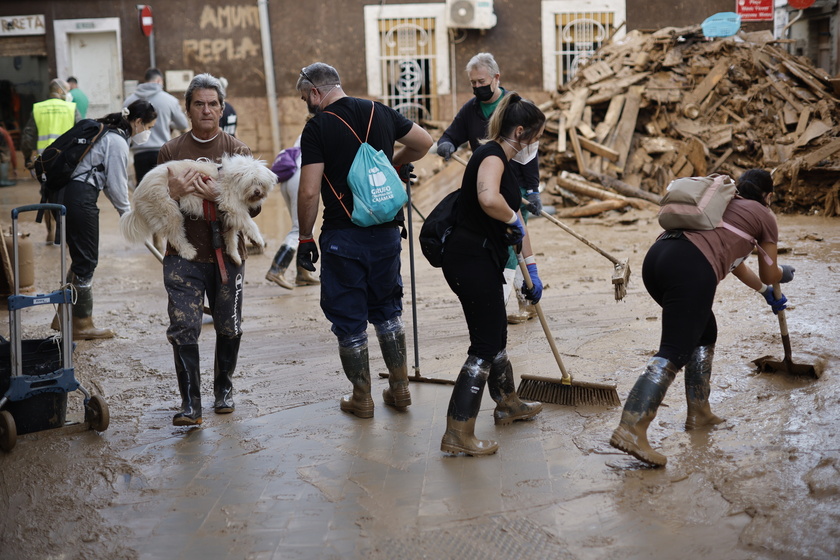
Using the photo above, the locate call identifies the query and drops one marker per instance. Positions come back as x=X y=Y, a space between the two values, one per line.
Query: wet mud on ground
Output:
x=289 y=476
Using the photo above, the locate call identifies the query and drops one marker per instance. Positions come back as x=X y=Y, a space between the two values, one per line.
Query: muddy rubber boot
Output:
x=509 y=407
x=392 y=344
x=354 y=360
x=227 y=351
x=282 y=260
x=305 y=278
x=698 y=373
x=640 y=410
x=463 y=409
x=189 y=384
x=526 y=312
x=83 y=327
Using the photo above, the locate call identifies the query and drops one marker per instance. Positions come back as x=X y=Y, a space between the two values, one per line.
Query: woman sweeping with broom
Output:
x=681 y=272
x=488 y=222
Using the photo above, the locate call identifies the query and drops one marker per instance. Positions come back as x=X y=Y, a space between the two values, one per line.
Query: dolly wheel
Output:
x=97 y=414
x=8 y=431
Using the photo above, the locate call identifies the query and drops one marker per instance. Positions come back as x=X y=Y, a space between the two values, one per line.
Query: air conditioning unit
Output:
x=470 y=14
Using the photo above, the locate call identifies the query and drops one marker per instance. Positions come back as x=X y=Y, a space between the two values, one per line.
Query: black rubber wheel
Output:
x=97 y=414
x=8 y=431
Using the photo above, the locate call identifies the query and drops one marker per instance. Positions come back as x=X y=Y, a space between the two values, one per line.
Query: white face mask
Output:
x=141 y=137
x=68 y=97
x=526 y=154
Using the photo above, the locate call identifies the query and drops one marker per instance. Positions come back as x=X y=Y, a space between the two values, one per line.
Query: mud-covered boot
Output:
x=189 y=384
x=509 y=407
x=305 y=278
x=353 y=352
x=698 y=373
x=526 y=312
x=463 y=409
x=227 y=352
x=391 y=335
x=83 y=327
x=640 y=410
x=282 y=260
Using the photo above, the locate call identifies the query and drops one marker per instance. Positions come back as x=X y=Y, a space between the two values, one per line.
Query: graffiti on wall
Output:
x=217 y=22
x=228 y=18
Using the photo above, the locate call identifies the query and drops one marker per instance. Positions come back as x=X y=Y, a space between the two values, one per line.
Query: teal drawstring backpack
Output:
x=378 y=192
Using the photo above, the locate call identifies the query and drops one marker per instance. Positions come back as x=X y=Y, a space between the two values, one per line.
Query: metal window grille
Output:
x=407 y=64
x=578 y=36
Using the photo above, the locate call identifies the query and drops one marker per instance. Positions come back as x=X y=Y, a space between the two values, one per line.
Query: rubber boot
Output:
x=305 y=278
x=509 y=407
x=392 y=345
x=227 y=351
x=282 y=260
x=189 y=384
x=354 y=360
x=527 y=311
x=83 y=327
x=640 y=410
x=698 y=373
x=463 y=409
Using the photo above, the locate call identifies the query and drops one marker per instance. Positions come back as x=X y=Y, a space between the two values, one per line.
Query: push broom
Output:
x=563 y=391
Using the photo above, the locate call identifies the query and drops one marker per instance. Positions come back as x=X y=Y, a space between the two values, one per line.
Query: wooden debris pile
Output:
x=653 y=107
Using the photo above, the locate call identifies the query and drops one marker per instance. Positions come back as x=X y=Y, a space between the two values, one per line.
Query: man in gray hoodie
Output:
x=170 y=117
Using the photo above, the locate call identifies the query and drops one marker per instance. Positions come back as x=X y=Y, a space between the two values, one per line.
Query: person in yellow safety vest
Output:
x=50 y=119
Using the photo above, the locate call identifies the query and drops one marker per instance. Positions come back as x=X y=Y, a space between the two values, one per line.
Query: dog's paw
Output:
x=187 y=251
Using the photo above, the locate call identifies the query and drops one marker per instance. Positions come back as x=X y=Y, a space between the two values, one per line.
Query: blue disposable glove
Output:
x=515 y=232
x=406 y=172
x=787 y=273
x=534 y=203
x=533 y=294
x=307 y=254
x=445 y=150
x=776 y=304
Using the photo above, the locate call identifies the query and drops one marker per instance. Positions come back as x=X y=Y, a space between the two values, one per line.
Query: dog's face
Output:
x=251 y=179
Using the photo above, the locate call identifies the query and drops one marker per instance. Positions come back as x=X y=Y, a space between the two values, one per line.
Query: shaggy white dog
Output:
x=243 y=183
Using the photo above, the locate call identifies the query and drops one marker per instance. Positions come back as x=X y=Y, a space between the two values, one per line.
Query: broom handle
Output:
x=574 y=234
x=566 y=377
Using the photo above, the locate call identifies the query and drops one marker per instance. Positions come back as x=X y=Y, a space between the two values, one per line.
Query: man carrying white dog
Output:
x=360 y=274
x=211 y=272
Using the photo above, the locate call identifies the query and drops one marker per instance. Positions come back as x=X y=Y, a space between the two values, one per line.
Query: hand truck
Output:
x=41 y=358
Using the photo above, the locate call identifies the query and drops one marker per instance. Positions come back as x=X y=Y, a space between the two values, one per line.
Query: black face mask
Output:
x=483 y=93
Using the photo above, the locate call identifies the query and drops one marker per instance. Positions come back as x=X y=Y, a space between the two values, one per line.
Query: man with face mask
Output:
x=470 y=125
x=360 y=273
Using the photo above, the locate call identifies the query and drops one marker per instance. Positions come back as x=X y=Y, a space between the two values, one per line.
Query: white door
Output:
x=94 y=61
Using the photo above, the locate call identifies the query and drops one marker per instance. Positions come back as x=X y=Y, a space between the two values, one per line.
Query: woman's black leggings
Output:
x=476 y=278
x=682 y=281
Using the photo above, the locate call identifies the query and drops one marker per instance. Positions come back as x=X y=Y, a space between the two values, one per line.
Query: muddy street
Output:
x=288 y=475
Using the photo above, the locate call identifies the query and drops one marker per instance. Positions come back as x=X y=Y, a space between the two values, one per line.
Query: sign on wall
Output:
x=22 y=25
x=755 y=10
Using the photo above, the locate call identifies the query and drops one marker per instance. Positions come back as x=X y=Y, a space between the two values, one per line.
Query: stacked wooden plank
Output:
x=656 y=106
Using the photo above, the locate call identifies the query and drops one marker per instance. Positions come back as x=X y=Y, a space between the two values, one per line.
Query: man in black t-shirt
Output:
x=360 y=273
